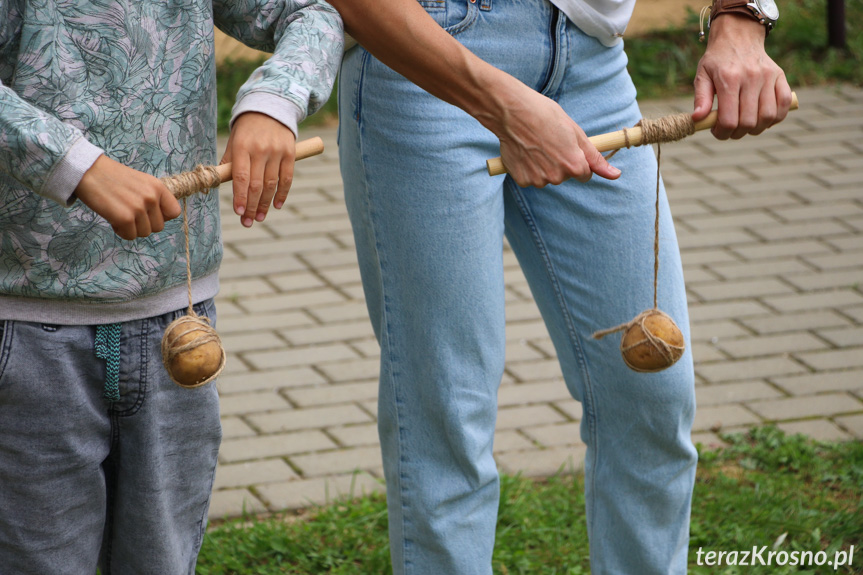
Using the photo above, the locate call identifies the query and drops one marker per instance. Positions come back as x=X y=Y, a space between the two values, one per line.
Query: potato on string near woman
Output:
x=651 y=341
x=191 y=349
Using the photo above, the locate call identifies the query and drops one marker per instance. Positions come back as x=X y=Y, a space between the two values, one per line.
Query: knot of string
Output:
x=201 y=179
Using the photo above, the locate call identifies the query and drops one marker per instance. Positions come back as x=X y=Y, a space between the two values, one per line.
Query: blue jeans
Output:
x=429 y=226
x=84 y=481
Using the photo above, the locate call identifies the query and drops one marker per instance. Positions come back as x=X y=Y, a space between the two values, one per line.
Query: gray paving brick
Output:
x=364 y=434
x=771 y=345
x=276 y=247
x=722 y=416
x=529 y=393
x=345 y=460
x=849 y=258
x=269 y=380
x=521 y=350
x=853 y=423
x=526 y=416
x=843 y=337
x=789 y=408
x=835 y=359
x=752 y=219
x=234 y=503
x=797 y=321
x=813 y=301
x=708 y=239
x=260 y=267
x=817 y=429
x=242 y=403
x=294 y=300
x=571 y=408
x=758 y=269
x=852 y=278
x=812 y=383
x=719 y=394
x=535 y=370
x=252 y=473
x=742 y=203
x=511 y=440
x=352 y=310
x=366 y=368
x=779 y=249
x=246 y=287
x=703 y=352
x=296 y=281
x=730 y=290
x=300 y=356
x=543 y=462
x=800 y=230
x=234 y=427
x=705 y=256
x=562 y=434
x=257 y=322
x=279 y=445
x=744 y=369
x=340 y=276
x=319 y=491
x=723 y=310
x=309 y=418
x=703 y=330
x=854 y=312
x=526 y=330
x=249 y=341
x=329 y=394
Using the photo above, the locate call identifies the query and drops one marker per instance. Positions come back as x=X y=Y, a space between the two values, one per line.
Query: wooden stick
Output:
x=616 y=140
x=304 y=149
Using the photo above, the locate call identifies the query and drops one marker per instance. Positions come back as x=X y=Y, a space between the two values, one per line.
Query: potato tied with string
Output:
x=192 y=351
x=652 y=342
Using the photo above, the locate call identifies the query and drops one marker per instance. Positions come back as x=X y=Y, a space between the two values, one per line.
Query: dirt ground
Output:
x=648 y=15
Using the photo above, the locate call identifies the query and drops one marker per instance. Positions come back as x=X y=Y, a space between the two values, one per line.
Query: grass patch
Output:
x=764 y=488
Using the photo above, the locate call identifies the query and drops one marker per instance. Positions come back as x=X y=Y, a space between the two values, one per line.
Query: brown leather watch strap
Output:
x=734 y=7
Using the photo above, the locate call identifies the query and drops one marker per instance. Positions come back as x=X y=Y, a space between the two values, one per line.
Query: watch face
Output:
x=769 y=9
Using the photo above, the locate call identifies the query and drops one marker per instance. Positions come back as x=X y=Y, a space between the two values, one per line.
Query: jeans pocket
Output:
x=454 y=16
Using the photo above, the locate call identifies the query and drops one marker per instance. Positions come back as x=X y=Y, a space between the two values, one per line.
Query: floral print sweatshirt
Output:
x=135 y=80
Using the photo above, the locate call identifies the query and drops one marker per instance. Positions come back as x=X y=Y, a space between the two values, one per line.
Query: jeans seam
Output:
x=587 y=399
x=386 y=329
x=5 y=345
x=142 y=385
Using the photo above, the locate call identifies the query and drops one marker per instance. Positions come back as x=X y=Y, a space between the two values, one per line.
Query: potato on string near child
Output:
x=651 y=341
x=191 y=349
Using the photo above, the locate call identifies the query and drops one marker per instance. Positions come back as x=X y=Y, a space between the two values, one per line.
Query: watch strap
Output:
x=741 y=7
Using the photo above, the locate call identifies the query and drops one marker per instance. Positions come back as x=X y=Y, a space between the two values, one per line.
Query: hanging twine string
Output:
x=201 y=179
x=192 y=322
x=643 y=315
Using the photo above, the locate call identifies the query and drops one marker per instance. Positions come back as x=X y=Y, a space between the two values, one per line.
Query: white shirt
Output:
x=605 y=20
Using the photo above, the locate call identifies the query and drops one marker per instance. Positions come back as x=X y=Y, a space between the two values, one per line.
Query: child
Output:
x=104 y=460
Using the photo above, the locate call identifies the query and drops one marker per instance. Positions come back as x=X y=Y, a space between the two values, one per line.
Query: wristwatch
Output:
x=764 y=11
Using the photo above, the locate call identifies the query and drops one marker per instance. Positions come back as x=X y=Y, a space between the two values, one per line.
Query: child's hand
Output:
x=262 y=152
x=134 y=203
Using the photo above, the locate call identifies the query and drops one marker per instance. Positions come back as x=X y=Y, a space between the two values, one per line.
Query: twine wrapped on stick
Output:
x=191 y=349
x=204 y=178
x=661 y=130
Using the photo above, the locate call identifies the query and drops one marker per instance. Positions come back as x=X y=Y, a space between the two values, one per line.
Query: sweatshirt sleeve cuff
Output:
x=60 y=185
x=276 y=107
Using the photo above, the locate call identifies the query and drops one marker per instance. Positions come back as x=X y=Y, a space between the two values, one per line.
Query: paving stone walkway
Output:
x=771 y=231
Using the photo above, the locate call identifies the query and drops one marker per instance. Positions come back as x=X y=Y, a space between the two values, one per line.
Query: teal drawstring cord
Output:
x=108 y=348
